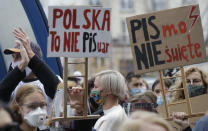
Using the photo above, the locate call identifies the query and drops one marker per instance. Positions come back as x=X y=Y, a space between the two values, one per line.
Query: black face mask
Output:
x=196 y=90
x=11 y=127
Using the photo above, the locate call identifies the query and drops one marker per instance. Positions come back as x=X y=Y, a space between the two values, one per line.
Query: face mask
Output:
x=97 y=98
x=137 y=90
x=160 y=100
x=36 y=117
x=196 y=90
x=14 y=64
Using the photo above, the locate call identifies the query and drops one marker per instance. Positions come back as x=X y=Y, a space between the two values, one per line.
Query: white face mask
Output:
x=36 y=117
x=27 y=69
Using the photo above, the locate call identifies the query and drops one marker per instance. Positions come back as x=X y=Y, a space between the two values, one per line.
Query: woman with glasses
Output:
x=196 y=82
x=29 y=108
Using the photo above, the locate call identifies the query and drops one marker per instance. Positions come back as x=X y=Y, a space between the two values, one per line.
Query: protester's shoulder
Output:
x=204 y=119
x=201 y=124
x=117 y=113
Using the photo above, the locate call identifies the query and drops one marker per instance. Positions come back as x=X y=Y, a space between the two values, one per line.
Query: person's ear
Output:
x=106 y=93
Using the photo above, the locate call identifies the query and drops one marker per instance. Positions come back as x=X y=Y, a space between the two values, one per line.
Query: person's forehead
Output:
x=195 y=74
x=136 y=79
x=34 y=97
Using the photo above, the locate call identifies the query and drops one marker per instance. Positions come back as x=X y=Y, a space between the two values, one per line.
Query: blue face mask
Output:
x=196 y=90
x=160 y=100
x=137 y=90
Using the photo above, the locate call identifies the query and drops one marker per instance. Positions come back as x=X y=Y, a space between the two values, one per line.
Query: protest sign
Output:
x=166 y=39
x=79 y=31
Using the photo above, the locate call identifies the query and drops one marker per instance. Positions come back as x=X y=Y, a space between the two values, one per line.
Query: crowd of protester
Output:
x=32 y=94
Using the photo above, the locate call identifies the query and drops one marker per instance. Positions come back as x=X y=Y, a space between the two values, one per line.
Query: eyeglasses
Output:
x=194 y=81
x=11 y=127
x=35 y=105
x=142 y=106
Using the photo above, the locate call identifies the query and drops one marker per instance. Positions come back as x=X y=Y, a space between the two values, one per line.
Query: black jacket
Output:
x=40 y=69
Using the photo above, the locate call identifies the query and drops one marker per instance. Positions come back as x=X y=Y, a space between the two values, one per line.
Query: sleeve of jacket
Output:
x=45 y=75
x=188 y=129
x=9 y=83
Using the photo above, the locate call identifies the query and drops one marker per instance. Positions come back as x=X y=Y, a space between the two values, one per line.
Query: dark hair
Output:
x=131 y=75
x=91 y=84
x=167 y=83
x=70 y=78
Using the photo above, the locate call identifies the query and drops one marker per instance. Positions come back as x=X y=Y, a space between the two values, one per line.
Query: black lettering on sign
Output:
x=156 y=52
x=135 y=25
x=141 y=57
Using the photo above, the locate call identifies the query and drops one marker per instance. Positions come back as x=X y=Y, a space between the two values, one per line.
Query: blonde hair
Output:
x=138 y=118
x=113 y=81
x=179 y=95
x=22 y=92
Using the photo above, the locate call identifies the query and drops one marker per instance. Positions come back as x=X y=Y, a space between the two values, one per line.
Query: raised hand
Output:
x=76 y=98
x=24 y=57
x=24 y=39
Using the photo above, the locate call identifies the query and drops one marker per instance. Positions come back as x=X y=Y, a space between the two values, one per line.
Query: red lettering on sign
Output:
x=94 y=19
x=182 y=53
x=171 y=29
x=55 y=41
x=57 y=13
x=71 y=41
x=87 y=26
x=106 y=20
x=67 y=22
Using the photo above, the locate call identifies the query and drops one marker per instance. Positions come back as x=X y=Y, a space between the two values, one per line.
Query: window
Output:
x=158 y=5
x=187 y=2
x=95 y=2
x=124 y=30
x=127 y=5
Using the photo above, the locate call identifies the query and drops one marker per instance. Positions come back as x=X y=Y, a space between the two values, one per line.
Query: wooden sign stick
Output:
x=188 y=103
x=65 y=85
x=163 y=94
x=86 y=87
